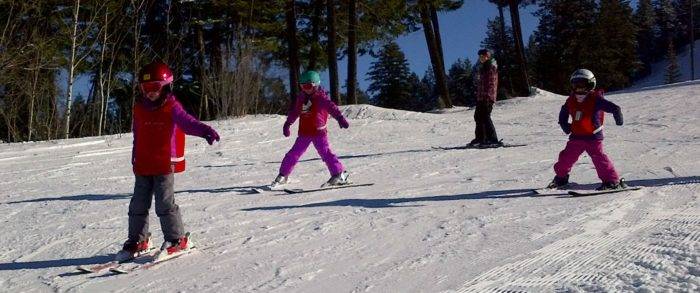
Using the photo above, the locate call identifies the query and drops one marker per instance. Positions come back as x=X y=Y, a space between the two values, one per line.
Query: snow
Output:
x=658 y=70
x=435 y=221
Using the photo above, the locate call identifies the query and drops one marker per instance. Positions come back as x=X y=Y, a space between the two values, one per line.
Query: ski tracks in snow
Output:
x=615 y=242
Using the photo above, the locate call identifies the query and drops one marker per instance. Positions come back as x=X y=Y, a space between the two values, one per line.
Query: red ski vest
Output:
x=584 y=120
x=159 y=146
x=313 y=118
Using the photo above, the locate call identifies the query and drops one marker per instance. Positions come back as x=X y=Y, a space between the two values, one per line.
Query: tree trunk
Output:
x=291 y=19
x=352 y=53
x=332 y=59
x=524 y=89
x=32 y=97
x=137 y=33
x=692 y=42
x=71 y=68
x=438 y=37
x=315 y=31
x=504 y=45
x=438 y=69
x=203 y=98
x=101 y=78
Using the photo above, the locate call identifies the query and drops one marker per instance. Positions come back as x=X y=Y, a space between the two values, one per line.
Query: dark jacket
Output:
x=487 y=81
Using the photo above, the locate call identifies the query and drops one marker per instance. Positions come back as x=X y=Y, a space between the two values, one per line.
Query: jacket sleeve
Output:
x=492 y=83
x=325 y=101
x=294 y=110
x=610 y=107
x=133 y=132
x=564 y=119
x=188 y=124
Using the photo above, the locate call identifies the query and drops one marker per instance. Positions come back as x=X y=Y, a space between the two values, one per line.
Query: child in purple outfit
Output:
x=586 y=107
x=312 y=107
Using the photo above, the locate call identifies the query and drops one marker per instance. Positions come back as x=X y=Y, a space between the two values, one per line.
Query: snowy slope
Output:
x=658 y=70
x=436 y=220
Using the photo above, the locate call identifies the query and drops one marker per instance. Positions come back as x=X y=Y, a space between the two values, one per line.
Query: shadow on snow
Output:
x=492 y=194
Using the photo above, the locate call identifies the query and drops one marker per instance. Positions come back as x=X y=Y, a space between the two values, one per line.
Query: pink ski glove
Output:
x=285 y=129
x=343 y=122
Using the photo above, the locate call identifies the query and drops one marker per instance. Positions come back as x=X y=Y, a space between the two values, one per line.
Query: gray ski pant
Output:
x=168 y=212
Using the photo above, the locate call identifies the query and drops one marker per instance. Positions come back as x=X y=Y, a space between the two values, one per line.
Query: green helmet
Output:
x=310 y=77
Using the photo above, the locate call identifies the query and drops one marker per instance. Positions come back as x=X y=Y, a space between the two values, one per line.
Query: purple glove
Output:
x=285 y=129
x=211 y=136
x=343 y=122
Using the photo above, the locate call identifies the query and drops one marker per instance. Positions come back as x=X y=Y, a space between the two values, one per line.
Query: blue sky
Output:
x=462 y=32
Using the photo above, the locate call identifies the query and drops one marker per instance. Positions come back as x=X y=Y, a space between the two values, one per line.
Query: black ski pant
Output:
x=168 y=212
x=485 y=131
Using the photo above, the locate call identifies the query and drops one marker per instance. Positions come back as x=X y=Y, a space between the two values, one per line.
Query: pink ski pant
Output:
x=322 y=147
x=573 y=150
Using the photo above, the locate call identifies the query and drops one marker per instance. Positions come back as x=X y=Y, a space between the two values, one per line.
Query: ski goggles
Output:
x=580 y=86
x=307 y=86
x=152 y=86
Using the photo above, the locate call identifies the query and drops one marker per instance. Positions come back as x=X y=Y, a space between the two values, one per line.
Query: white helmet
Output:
x=582 y=79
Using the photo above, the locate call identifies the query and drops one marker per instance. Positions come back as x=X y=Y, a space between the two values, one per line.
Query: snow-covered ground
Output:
x=658 y=70
x=436 y=220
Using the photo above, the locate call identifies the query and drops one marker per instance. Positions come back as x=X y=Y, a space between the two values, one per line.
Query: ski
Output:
x=96 y=268
x=562 y=190
x=300 y=190
x=576 y=193
x=123 y=269
x=479 y=147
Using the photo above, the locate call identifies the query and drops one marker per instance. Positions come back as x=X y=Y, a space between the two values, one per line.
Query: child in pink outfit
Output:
x=586 y=107
x=312 y=107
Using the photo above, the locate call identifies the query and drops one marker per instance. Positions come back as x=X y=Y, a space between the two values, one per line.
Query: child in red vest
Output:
x=586 y=107
x=159 y=126
x=312 y=108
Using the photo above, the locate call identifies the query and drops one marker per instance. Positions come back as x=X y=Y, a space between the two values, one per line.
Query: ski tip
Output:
x=118 y=271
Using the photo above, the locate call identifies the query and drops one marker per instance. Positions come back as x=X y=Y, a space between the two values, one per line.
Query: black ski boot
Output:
x=559 y=182
x=612 y=185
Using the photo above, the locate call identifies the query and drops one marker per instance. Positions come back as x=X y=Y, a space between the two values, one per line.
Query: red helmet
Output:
x=154 y=76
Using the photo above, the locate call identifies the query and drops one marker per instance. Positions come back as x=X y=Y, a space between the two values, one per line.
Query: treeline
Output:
x=228 y=55
x=239 y=57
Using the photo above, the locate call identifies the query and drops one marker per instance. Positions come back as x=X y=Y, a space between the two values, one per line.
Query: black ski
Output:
x=300 y=190
x=576 y=193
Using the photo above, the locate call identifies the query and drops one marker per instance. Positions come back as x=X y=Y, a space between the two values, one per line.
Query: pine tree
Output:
x=616 y=58
x=673 y=72
x=668 y=24
x=645 y=20
x=461 y=82
x=565 y=40
x=389 y=76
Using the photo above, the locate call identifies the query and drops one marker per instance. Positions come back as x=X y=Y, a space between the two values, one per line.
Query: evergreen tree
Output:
x=668 y=24
x=565 y=40
x=673 y=72
x=616 y=58
x=645 y=20
x=389 y=77
x=461 y=82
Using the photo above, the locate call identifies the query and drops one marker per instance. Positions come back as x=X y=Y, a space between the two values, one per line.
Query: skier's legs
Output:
x=323 y=148
x=167 y=210
x=489 y=129
x=478 y=121
x=603 y=165
x=292 y=157
x=139 y=206
x=568 y=157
